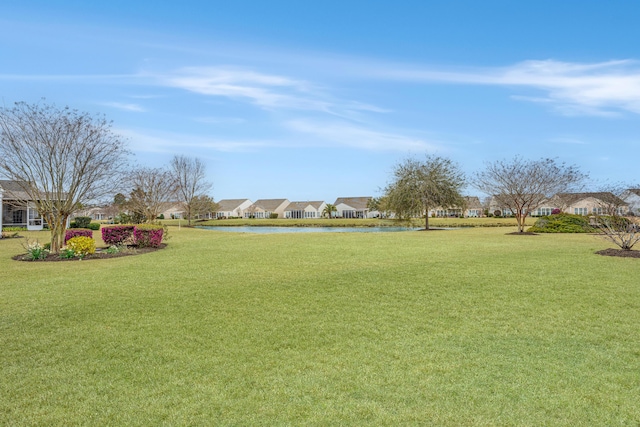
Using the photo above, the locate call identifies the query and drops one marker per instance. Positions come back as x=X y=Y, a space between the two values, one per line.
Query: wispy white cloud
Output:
x=603 y=88
x=153 y=142
x=350 y=135
x=264 y=90
x=126 y=107
x=220 y=120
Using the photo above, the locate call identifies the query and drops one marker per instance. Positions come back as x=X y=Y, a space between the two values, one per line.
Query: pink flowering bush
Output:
x=77 y=232
x=148 y=235
x=118 y=234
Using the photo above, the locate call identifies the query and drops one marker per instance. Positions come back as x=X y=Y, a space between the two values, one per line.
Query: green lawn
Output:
x=369 y=222
x=460 y=327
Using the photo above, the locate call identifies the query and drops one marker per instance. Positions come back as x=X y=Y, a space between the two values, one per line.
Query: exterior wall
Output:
x=346 y=211
x=634 y=203
x=309 y=211
x=590 y=206
x=237 y=211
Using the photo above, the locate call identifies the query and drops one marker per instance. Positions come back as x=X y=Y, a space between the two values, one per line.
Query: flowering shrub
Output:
x=118 y=234
x=556 y=211
x=36 y=251
x=76 y=232
x=82 y=246
x=148 y=235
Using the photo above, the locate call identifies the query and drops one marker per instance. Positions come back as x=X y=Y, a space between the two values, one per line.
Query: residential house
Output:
x=297 y=210
x=498 y=208
x=17 y=209
x=97 y=213
x=471 y=208
x=599 y=203
x=354 y=207
x=172 y=210
x=632 y=198
x=230 y=208
x=265 y=208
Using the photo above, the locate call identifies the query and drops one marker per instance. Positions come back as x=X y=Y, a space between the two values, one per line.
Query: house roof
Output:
x=635 y=191
x=298 y=206
x=269 y=204
x=354 y=202
x=605 y=196
x=14 y=190
x=171 y=207
x=472 y=202
x=228 y=205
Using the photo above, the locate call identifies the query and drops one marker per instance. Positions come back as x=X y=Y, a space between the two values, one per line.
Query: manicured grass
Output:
x=461 y=327
x=369 y=222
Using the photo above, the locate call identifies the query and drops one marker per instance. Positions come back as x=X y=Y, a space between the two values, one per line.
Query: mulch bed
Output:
x=619 y=252
x=524 y=233
x=101 y=253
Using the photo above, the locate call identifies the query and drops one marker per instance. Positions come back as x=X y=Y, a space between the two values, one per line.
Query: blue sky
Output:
x=318 y=100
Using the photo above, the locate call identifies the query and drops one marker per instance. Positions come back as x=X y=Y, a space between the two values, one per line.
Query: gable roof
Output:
x=269 y=204
x=635 y=191
x=605 y=196
x=14 y=190
x=228 y=205
x=354 y=202
x=472 y=202
x=299 y=206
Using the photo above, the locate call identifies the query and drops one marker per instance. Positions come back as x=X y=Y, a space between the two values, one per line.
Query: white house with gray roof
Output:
x=17 y=209
x=299 y=210
x=230 y=208
x=354 y=207
x=264 y=208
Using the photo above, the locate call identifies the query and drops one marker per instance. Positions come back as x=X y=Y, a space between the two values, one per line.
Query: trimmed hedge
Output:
x=117 y=234
x=148 y=235
x=143 y=235
x=82 y=221
x=77 y=232
x=562 y=223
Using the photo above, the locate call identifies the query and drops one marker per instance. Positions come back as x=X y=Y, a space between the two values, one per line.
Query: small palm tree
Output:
x=328 y=210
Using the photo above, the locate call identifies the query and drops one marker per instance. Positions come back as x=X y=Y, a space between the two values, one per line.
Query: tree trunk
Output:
x=426 y=221
x=520 y=220
x=58 y=227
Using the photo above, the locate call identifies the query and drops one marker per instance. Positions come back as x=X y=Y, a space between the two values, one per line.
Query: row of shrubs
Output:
x=141 y=235
x=84 y=222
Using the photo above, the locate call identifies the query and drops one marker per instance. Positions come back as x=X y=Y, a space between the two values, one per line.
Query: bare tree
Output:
x=62 y=159
x=419 y=186
x=153 y=189
x=524 y=185
x=623 y=232
x=190 y=177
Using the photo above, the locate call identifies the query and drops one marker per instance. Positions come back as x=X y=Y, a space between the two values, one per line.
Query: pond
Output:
x=272 y=230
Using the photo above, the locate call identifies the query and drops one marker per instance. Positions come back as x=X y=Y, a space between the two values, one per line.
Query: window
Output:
x=543 y=211
x=581 y=211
